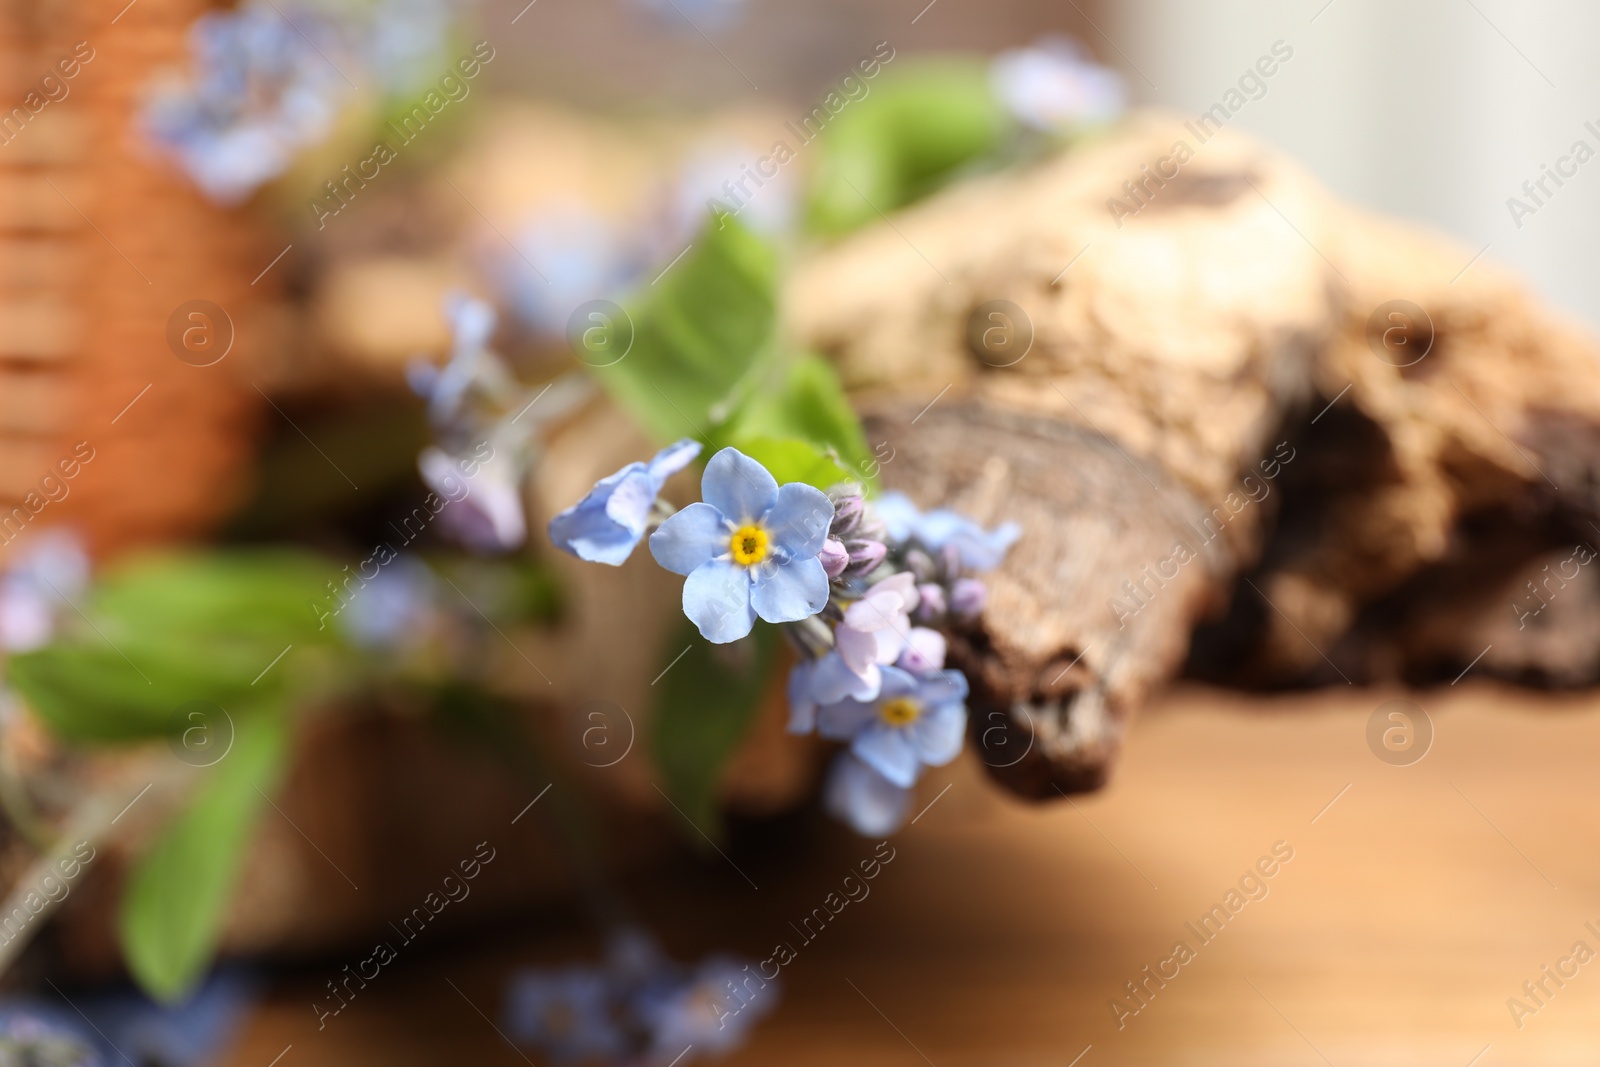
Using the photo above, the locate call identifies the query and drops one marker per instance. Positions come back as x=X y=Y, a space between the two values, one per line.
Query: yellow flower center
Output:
x=900 y=711
x=749 y=545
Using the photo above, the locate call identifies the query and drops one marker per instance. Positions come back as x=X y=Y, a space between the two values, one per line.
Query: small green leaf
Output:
x=707 y=702
x=805 y=401
x=924 y=119
x=177 y=895
x=698 y=332
x=167 y=630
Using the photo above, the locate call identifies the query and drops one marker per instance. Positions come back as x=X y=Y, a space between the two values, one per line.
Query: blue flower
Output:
x=711 y=1009
x=1056 y=83
x=564 y=254
x=913 y=722
x=260 y=90
x=750 y=548
x=40 y=581
x=607 y=524
x=485 y=513
x=977 y=549
x=859 y=796
x=824 y=681
x=568 y=1012
x=472 y=367
x=395 y=609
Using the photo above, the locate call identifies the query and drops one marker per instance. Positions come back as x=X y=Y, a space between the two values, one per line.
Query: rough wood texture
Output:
x=1177 y=351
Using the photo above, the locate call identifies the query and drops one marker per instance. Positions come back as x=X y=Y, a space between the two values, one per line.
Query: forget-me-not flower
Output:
x=977 y=549
x=819 y=682
x=711 y=1008
x=913 y=722
x=1056 y=83
x=42 y=579
x=567 y=1012
x=748 y=549
x=607 y=524
x=865 y=800
x=260 y=91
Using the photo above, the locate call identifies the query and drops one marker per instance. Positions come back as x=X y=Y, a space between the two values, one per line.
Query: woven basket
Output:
x=99 y=245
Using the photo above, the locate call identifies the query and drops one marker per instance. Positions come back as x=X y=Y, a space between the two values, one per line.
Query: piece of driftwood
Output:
x=1181 y=366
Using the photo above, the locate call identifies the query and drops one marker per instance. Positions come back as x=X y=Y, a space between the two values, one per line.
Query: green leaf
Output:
x=793 y=460
x=708 y=700
x=698 y=332
x=924 y=119
x=168 y=630
x=176 y=897
x=806 y=403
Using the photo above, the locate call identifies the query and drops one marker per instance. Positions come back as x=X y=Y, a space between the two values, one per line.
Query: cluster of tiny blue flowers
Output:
x=638 y=1007
x=859 y=588
x=269 y=79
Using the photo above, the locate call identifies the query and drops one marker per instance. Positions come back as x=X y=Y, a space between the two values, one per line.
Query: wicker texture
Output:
x=99 y=243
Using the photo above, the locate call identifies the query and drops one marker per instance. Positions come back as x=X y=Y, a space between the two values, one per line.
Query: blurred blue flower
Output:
x=724 y=171
x=568 y=1012
x=484 y=511
x=749 y=548
x=471 y=368
x=865 y=800
x=260 y=89
x=123 y=1025
x=31 y=1035
x=566 y=254
x=42 y=580
x=607 y=524
x=827 y=680
x=709 y=16
x=393 y=610
x=911 y=723
x=639 y=1007
x=976 y=548
x=1056 y=83
x=711 y=1009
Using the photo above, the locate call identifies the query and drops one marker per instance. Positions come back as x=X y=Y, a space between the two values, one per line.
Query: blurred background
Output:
x=317 y=749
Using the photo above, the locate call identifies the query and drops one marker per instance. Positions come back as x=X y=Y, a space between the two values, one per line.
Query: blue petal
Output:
x=673 y=458
x=832 y=680
x=942 y=687
x=738 y=486
x=842 y=721
x=860 y=796
x=898 y=515
x=887 y=750
x=798 y=523
x=791 y=591
x=899 y=683
x=716 y=597
x=691 y=538
x=606 y=525
x=937 y=735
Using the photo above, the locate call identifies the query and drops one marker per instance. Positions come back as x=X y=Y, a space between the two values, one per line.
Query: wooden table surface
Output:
x=1413 y=907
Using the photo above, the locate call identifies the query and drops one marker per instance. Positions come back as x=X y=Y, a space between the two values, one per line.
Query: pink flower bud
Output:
x=834 y=556
x=968 y=597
